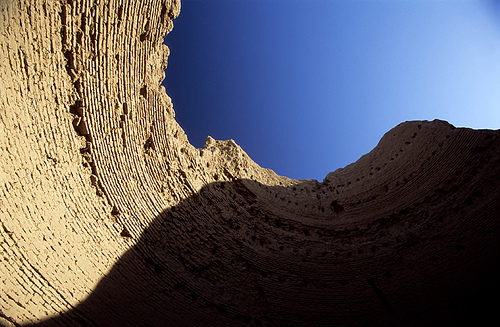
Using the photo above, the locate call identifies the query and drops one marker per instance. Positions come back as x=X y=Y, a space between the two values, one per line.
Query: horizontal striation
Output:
x=109 y=216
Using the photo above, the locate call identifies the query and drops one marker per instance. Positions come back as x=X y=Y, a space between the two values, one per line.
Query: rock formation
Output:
x=109 y=217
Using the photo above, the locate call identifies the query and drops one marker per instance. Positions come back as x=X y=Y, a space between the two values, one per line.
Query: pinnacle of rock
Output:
x=109 y=217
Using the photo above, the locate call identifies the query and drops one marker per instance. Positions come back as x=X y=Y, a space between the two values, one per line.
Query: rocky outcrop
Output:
x=109 y=217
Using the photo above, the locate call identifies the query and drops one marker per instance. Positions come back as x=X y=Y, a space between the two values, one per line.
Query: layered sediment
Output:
x=109 y=217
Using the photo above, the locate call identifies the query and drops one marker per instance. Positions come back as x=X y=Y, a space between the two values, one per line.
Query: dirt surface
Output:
x=109 y=217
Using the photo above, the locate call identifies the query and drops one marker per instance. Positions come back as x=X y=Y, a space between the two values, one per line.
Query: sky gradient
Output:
x=309 y=86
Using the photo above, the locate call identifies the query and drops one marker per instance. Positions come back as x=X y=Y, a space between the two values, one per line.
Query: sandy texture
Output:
x=109 y=217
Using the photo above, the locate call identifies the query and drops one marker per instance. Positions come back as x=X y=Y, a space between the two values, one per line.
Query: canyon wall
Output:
x=109 y=217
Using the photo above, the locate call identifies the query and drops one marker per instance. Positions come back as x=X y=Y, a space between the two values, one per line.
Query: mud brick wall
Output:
x=109 y=217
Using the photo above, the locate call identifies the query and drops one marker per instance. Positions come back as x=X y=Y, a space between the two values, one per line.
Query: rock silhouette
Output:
x=109 y=217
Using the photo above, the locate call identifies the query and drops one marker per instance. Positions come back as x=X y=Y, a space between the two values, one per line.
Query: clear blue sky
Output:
x=309 y=86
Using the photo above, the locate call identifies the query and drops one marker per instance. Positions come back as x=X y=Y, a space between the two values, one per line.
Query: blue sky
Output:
x=309 y=86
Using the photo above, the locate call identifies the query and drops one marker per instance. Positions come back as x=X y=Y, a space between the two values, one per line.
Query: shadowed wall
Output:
x=110 y=217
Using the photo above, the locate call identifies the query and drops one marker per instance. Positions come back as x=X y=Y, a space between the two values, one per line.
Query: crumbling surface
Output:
x=109 y=217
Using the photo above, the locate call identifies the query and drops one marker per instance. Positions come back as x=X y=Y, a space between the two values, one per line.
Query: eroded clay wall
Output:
x=109 y=217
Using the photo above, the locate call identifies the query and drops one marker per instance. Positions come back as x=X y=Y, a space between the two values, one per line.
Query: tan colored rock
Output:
x=109 y=217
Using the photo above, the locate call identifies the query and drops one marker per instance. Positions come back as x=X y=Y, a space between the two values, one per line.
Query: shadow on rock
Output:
x=231 y=255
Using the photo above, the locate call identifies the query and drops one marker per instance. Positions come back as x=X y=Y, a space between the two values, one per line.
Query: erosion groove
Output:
x=111 y=218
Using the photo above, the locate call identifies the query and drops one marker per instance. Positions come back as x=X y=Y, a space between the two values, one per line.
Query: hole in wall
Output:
x=144 y=92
